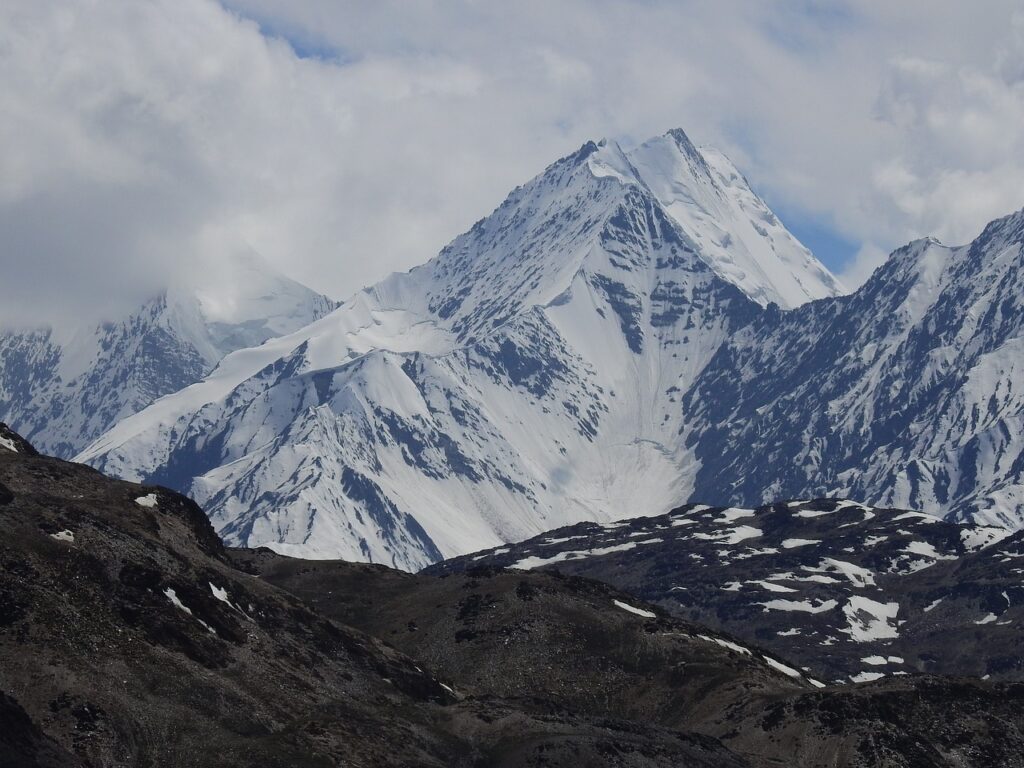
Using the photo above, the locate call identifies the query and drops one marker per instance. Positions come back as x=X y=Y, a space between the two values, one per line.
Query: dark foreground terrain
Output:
x=130 y=637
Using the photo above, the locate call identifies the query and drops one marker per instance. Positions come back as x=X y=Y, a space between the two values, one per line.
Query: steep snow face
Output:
x=907 y=393
x=64 y=392
x=527 y=377
x=734 y=230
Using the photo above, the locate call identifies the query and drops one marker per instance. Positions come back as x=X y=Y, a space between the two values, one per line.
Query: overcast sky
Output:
x=343 y=140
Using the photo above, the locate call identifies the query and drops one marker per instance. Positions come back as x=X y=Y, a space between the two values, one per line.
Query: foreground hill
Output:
x=130 y=636
x=525 y=634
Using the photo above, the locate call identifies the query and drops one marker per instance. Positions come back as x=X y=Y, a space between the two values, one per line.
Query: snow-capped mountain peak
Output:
x=497 y=390
x=735 y=231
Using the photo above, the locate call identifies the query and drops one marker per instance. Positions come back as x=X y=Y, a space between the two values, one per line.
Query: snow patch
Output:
x=171 y=595
x=867 y=677
x=810 y=513
x=870 y=620
x=731 y=536
x=148 y=501
x=803 y=606
x=978 y=538
x=793 y=543
x=782 y=667
x=726 y=644
x=529 y=563
x=68 y=536
x=637 y=611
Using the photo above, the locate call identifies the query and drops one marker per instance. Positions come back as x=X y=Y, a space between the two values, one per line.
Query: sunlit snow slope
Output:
x=527 y=377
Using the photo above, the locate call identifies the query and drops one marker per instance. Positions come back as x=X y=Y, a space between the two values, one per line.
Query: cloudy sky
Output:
x=142 y=139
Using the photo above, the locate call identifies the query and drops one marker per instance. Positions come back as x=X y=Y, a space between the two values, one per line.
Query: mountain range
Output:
x=626 y=333
x=529 y=376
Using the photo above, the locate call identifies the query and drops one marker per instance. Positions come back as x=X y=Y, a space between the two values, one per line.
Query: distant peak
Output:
x=1009 y=228
x=678 y=135
x=581 y=154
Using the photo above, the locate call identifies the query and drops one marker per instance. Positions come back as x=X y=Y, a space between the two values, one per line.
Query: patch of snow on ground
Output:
x=8 y=444
x=148 y=501
x=549 y=542
x=755 y=552
x=881 y=661
x=979 y=538
x=772 y=587
x=815 y=512
x=171 y=595
x=781 y=667
x=793 y=543
x=858 y=576
x=867 y=677
x=637 y=611
x=804 y=606
x=731 y=536
x=870 y=620
x=733 y=514
x=528 y=563
x=988 y=619
x=921 y=517
x=925 y=549
x=492 y=553
x=221 y=594
x=726 y=644
x=63 y=536
x=932 y=605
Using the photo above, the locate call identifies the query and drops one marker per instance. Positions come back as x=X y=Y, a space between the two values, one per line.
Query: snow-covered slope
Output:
x=527 y=377
x=738 y=235
x=908 y=393
x=64 y=390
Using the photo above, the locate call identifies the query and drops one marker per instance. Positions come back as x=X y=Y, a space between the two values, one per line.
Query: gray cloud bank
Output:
x=344 y=140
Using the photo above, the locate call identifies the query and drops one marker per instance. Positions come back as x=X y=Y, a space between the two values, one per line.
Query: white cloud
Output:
x=867 y=259
x=142 y=139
